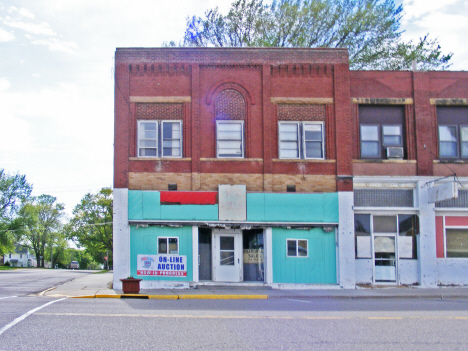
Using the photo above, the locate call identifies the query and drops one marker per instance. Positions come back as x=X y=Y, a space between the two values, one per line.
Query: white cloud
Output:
x=417 y=8
x=26 y=13
x=6 y=36
x=55 y=44
x=42 y=28
x=36 y=75
x=4 y=84
x=445 y=20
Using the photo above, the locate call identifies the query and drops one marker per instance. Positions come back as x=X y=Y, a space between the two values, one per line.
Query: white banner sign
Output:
x=162 y=265
x=443 y=192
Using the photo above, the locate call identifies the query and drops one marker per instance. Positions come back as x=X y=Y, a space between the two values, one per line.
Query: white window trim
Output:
x=304 y=140
x=298 y=140
x=140 y=122
x=458 y=142
x=167 y=244
x=301 y=140
x=297 y=247
x=162 y=138
x=242 y=138
x=463 y=227
x=159 y=137
x=401 y=135
x=379 y=135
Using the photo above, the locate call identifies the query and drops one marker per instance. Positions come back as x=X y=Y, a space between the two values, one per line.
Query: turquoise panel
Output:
x=271 y=207
x=256 y=207
x=318 y=268
x=330 y=207
x=135 y=204
x=144 y=241
x=151 y=205
x=190 y=212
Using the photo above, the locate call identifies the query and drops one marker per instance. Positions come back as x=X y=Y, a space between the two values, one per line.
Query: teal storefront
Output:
x=281 y=238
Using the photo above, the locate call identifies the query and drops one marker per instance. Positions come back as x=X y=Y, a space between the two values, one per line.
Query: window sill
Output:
x=451 y=161
x=231 y=159
x=305 y=160
x=159 y=159
x=367 y=160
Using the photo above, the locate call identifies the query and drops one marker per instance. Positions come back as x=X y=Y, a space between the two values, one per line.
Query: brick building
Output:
x=283 y=167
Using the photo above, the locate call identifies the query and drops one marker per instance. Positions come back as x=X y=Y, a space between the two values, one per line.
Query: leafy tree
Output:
x=91 y=226
x=369 y=29
x=39 y=219
x=14 y=189
x=83 y=257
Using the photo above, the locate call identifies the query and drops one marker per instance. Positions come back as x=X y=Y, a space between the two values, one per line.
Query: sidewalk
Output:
x=98 y=286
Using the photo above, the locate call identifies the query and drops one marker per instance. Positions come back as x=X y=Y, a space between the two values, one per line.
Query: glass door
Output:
x=385 y=260
x=227 y=255
x=384 y=249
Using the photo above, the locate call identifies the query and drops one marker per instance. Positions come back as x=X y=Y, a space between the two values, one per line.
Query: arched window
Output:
x=230 y=115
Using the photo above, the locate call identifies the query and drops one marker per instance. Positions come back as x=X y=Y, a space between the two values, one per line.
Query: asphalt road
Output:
x=21 y=282
x=274 y=324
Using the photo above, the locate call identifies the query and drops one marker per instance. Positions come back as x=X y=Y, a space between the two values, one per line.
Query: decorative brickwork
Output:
x=157 y=70
x=160 y=111
x=249 y=67
x=289 y=112
x=236 y=56
x=300 y=70
x=230 y=105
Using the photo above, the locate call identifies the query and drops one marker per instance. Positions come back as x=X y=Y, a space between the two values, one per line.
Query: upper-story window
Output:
x=159 y=138
x=301 y=140
x=453 y=132
x=230 y=116
x=229 y=139
x=382 y=133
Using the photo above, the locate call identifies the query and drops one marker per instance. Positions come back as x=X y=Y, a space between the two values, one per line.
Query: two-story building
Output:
x=20 y=257
x=283 y=167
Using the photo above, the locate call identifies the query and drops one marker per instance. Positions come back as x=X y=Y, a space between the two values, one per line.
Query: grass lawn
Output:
x=103 y=271
x=6 y=268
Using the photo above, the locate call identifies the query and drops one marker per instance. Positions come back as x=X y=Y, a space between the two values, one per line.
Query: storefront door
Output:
x=227 y=258
x=385 y=258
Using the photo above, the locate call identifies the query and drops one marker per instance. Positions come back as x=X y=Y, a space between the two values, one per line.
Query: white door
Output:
x=385 y=258
x=227 y=258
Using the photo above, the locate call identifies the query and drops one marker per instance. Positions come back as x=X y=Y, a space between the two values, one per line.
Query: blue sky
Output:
x=56 y=77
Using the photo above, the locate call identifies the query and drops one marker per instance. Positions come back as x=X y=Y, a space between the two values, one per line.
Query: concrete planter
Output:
x=130 y=285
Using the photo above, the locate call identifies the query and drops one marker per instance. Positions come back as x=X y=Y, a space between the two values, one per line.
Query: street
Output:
x=21 y=282
x=288 y=320
x=278 y=324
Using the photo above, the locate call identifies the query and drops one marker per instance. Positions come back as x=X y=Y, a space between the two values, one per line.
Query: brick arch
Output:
x=230 y=105
x=216 y=89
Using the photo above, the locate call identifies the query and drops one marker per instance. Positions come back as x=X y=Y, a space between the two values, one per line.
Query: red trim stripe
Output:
x=189 y=197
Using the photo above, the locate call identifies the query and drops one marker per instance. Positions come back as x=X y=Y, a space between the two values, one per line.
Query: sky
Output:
x=56 y=77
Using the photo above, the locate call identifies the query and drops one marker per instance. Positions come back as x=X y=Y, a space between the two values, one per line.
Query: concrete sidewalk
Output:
x=98 y=286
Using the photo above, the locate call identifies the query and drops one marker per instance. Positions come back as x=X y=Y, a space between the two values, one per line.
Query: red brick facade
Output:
x=262 y=87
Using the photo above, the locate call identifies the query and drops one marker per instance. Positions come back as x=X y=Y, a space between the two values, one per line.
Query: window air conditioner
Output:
x=395 y=152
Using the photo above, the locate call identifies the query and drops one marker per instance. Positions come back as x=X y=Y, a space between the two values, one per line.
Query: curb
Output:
x=173 y=297
x=224 y=297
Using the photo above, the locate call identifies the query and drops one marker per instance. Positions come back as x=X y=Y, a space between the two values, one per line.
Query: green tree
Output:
x=39 y=219
x=14 y=189
x=83 y=257
x=91 y=225
x=369 y=29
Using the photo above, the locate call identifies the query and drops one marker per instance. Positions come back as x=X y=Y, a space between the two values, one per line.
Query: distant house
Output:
x=20 y=257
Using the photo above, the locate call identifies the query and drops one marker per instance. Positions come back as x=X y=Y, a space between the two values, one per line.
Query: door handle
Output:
x=238 y=260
